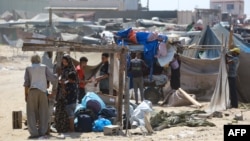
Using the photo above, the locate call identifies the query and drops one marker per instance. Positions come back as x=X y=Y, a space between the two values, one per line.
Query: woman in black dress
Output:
x=61 y=118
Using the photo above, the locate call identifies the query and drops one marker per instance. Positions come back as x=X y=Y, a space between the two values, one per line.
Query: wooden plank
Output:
x=188 y=97
x=79 y=48
x=111 y=74
x=57 y=49
x=126 y=103
x=121 y=87
x=81 y=8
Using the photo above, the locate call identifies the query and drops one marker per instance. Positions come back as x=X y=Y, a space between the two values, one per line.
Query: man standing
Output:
x=232 y=60
x=136 y=70
x=35 y=83
x=81 y=75
x=103 y=79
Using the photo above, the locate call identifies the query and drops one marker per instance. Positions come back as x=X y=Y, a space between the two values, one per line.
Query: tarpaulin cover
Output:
x=220 y=99
x=243 y=88
x=199 y=76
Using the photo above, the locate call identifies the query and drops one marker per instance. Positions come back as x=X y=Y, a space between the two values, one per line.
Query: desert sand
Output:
x=12 y=66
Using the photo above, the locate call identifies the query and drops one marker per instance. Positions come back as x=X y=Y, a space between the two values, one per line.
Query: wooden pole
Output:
x=127 y=102
x=231 y=43
x=188 y=97
x=50 y=17
x=121 y=87
x=111 y=73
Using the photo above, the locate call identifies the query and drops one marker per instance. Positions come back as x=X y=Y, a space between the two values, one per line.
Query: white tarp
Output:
x=220 y=99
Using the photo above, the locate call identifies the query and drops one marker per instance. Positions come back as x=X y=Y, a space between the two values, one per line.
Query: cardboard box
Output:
x=109 y=100
x=111 y=130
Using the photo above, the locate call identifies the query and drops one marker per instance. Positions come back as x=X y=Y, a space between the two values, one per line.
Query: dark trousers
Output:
x=175 y=81
x=233 y=92
x=81 y=94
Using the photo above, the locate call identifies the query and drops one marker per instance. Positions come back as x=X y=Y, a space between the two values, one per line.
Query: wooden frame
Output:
x=64 y=46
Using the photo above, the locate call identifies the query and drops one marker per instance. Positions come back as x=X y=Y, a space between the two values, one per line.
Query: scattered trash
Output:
x=238 y=117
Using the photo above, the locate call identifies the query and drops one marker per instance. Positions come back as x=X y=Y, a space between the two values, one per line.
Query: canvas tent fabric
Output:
x=199 y=76
x=243 y=78
x=220 y=99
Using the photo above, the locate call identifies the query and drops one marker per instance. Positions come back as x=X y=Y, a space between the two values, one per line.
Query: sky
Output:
x=183 y=4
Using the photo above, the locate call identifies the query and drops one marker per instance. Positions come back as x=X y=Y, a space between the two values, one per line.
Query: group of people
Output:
x=68 y=89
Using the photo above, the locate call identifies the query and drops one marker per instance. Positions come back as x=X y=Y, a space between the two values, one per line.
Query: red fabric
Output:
x=81 y=76
x=132 y=36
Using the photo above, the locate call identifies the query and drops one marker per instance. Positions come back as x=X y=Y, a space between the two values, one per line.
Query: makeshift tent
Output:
x=199 y=76
x=243 y=88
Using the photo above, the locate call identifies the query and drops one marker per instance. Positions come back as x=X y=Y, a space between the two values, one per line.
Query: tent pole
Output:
x=121 y=87
x=111 y=74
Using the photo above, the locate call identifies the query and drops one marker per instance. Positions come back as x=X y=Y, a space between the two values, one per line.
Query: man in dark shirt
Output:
x=233 y=64
x=136 y=70
x=103 y=79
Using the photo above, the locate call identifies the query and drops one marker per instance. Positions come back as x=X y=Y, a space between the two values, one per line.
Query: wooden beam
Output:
x=39 y=48
x=81 y=9
x=111 y=73
x=78 y=48
x=50 y=17
x=121 y=87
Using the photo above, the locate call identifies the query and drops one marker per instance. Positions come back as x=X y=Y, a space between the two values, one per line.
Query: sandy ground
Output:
x=12 y=67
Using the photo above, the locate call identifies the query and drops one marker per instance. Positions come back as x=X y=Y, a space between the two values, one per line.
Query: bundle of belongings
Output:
x=177 y=98
x=156 y=48
x=92 y=114
x=164 y=120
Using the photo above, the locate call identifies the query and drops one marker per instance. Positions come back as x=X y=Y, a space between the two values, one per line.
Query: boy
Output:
x=81 y=75
x=103 y=79
x=71 y=92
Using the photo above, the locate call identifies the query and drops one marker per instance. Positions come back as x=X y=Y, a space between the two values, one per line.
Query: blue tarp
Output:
x=150 y=47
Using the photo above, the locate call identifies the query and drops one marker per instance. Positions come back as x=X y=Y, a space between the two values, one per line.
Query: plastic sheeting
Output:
x=87 y=97
x=220 y=99
x=137 y=117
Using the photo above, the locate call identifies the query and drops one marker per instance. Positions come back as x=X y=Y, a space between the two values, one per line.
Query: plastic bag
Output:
x=100 y=123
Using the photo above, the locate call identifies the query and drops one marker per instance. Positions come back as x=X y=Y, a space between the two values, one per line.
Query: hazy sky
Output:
x=183 y=4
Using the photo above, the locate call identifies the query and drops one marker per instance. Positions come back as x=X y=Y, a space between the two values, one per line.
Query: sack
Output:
x=81 y=111
x=108 y=112
x=177 y=99
x=94 y=105
x=84 y=123
x=100 y=123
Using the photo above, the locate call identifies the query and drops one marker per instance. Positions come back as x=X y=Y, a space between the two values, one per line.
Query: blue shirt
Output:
x=233 y=66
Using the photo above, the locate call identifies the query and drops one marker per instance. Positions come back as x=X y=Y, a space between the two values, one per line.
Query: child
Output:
x=71 y=91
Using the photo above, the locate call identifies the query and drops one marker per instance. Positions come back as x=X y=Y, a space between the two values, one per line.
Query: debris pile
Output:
x=164 y=120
